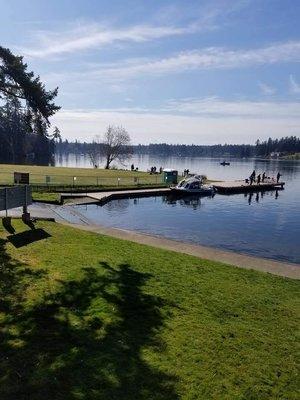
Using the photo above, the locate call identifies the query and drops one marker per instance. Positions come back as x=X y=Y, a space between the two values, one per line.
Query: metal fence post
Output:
x=5 y=191
x=26 y=215
x=25 y=202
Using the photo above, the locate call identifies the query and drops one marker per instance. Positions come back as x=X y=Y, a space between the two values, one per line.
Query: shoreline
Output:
x=241 y=260
x=283 y=269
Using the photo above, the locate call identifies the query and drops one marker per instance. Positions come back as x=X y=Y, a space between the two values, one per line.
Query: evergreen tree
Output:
x=25 y=109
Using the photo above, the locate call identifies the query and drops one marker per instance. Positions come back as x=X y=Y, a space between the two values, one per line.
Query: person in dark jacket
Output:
x=278 y=177
x=258 y=179
x=252 y=177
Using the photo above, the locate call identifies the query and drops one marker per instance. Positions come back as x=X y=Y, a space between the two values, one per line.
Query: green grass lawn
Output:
x=50 y=197
x=84 y=176
x=86 y=316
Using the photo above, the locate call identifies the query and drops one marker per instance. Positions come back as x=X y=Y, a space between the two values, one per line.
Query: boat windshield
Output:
x=191 y=183
x=194 y=185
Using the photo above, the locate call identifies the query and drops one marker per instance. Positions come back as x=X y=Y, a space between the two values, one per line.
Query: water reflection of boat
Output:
x=189 y=201
x=193 y=185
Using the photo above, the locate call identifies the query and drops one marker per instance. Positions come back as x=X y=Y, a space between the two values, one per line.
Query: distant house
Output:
x=275 y=154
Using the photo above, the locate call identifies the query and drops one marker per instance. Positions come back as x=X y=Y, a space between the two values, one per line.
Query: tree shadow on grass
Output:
x=89 y=339
x=27 y=237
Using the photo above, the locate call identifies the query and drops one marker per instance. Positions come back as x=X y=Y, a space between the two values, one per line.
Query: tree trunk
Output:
x=12 y=151
x=107 y=162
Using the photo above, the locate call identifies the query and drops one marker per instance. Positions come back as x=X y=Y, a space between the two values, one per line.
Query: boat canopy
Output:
x=191 y=183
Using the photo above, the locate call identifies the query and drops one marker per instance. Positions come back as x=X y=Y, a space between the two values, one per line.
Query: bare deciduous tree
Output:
x=116 y=145
x=94 y=151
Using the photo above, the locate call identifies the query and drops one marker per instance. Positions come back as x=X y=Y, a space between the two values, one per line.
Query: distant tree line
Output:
x=285 y=145
x=25 y=109
x=182 y=150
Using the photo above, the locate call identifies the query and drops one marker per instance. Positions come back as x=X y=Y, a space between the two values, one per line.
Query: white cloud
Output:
x=202 y=59
x=94 y=36
x=214 y=106
x=294 y=85
x=115 y=75
x=266 y=89
x=215 y=121
x=169 y=21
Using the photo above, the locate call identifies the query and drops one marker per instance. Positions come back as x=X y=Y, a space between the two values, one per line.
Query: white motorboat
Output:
x=193 y=184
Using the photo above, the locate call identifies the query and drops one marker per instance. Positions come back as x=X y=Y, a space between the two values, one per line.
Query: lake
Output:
x=261 y=224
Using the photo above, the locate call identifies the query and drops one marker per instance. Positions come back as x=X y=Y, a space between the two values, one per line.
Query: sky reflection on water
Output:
x=262 y=224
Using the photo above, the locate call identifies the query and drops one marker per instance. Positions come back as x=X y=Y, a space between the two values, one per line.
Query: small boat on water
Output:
x=193 y=184
x=225 y=163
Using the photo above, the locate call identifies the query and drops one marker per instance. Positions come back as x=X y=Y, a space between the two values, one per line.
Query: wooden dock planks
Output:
x=103 y=197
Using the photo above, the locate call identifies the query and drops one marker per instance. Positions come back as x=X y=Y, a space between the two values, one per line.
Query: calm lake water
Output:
x=262 y=224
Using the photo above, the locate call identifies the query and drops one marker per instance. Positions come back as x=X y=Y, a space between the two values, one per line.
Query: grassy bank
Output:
x=86 y=316
x=77 y=176
x=295 y=156
x=50 y=197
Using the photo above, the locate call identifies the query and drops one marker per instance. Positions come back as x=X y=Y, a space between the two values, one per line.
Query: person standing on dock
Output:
x=252 y=177
x=263 y=177
x=278 y=176
x=258 y=179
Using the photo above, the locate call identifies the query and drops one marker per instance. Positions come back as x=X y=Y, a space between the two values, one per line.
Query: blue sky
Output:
x=184 y=71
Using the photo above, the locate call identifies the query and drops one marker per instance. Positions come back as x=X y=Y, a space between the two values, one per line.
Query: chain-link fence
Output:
x=7 y=178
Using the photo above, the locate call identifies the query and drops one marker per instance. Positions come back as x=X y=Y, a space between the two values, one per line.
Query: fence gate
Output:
x=15 y=196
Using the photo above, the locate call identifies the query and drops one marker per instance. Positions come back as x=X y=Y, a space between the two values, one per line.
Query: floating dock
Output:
x=122 y=194
x=220 y=187
x=242 y=186
x=104 y=197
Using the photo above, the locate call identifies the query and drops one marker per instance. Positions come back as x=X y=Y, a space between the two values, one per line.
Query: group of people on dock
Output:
x=261 y=178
